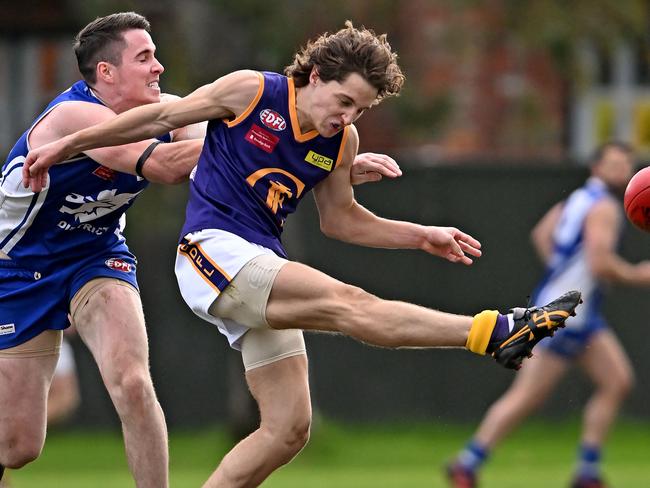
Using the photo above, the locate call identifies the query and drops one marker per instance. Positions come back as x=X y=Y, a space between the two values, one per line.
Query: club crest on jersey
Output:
x=319 y=161
x=273 y=120
x=262 y=138
x=87 y=208
x=278 y=184
x=118 y=264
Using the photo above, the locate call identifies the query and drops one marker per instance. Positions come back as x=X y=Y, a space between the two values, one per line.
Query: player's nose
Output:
x=157 y=66
x=347 y=118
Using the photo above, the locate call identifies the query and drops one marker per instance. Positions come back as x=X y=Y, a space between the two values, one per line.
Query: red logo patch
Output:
x=118 y=265
x=105 y=173
x=262 y=139
x=272 y=120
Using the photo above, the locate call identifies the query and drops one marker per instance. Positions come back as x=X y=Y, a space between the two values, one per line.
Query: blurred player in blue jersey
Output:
x=63 y=397
x=270 y=140
x=577 y=241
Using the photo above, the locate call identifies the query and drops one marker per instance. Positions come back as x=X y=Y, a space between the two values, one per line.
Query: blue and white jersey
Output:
x=78 y=214
x=255 y=169
x=568 y=268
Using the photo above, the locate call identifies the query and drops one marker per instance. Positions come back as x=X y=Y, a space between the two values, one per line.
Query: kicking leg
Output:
x=109 y=319
x=304 y=297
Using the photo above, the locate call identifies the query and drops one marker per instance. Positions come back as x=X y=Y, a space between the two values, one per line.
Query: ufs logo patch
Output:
x=118 y=264
x=320 y=161
x=273 y=120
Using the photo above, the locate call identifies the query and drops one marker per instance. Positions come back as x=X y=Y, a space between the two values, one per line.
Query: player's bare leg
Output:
x=24 y=383
x=282 y=393
x=609 y=368
x=534 y=382
x=303 y=297
x=532 y=385
x=111 y=323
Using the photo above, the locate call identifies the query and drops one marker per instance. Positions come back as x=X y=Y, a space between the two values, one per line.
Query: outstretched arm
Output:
x=341 y=217
x=226 y=97
x=542 y=234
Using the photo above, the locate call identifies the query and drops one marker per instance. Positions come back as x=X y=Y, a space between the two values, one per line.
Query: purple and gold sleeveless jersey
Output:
x=254 y=169
x=80 y=211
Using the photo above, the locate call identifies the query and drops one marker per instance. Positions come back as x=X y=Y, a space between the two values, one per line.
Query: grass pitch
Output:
x=540 y=455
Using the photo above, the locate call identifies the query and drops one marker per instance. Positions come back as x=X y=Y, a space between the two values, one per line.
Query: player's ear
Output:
x=314 y=76
x=104 y=71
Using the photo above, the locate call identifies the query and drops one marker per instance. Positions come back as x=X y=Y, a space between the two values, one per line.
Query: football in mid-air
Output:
x=637 y=199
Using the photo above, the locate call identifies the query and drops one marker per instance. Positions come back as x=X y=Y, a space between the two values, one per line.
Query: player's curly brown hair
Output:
x=350 y=50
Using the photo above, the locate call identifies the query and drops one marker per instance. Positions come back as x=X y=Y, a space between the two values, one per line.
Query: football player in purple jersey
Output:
x=62 y=250
x=270 y=139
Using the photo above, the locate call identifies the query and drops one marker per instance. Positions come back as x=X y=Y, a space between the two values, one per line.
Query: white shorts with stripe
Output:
x=206 y=263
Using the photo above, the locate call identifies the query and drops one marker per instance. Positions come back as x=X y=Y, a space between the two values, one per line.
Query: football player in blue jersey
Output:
x=62 y=250
x=576 y=239
x=270 y=139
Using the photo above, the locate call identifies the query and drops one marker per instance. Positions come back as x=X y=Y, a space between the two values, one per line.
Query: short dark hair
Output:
x=350 y=50
x=103 y=40
x=600 y=151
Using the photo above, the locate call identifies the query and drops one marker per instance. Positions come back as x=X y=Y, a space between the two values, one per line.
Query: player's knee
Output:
x=351 y=306
x=519 y=399
x=623 y=384
x=291 y=439
x=360 y=319
x=133 y=391
x=629 y=383
x=21 y=450
x=289 y=432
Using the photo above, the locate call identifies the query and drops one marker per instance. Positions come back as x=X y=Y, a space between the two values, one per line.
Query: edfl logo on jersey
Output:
x=118 y=264
x=273 y=120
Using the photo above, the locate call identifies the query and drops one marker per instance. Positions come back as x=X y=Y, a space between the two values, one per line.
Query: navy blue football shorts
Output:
x=34 y=300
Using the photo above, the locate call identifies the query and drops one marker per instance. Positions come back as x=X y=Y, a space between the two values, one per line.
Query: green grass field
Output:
x=406 y=456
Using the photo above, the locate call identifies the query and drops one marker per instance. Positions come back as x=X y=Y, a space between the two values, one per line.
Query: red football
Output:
x=637 y=199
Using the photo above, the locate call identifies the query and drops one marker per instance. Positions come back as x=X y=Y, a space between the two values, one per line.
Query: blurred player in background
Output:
x=62 y=251
x=577 y=240
x=63 y=397
x=270 y=139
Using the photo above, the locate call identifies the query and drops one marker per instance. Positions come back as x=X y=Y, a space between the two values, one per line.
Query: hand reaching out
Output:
x=369 y=167
x=451 y=244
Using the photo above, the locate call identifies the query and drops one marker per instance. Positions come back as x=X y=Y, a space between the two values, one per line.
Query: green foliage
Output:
x=557 y=26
